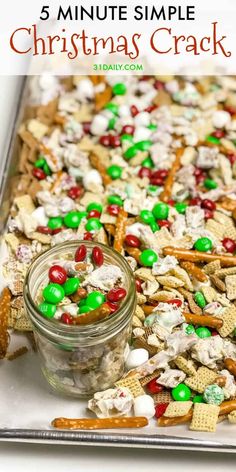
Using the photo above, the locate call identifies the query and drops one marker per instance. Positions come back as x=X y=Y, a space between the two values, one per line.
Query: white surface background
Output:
x=31 y=457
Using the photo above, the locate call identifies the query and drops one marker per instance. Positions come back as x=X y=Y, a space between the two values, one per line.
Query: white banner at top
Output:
x=141 y=37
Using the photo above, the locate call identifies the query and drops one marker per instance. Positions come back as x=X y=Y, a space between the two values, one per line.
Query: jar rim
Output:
x=75 y=330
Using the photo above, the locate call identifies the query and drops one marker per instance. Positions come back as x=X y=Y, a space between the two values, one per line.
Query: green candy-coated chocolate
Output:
x=71 y=285
x=131 y=152
x=152 y=190
x=210 y=184
x=111 y=123
x=203 y=332
x=119 y=89
x=40 y=162
x=53 y=293
x=148 y=257
x=47 y=169
x=143 y=145
x=198 y=399
x=55 y=222
x=181 y=393
x=94 y=206
x=154 y=226
x=47 y=309
x=114 y=172
x=95 y=299
x=93 y=224
x=112 y=107
x=146 y=216
x=190 y=329
x=161 y=211
x=181 y=207
x=126 y=137
x=85 y=309
x=115 y=200
x=203 y=245
x=200 y=299
x=213 y=394
x=152 y=127
x=212 y=139
x=72 y=219
x=148 y=162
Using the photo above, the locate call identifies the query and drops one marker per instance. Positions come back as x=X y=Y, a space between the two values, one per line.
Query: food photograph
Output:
x=118 y=267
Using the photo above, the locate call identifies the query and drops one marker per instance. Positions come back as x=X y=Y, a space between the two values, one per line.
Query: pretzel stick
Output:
x=59 y=119
x=19 y=352
x=101 y=99
x=92 y=316
x=133 y=252
x=5 y=299
x=227 y=406
x=166 y=193
x=230 y=364
x=46 y=151
x=148 y=309
x=203 y=320
x=120 y=230
x=197 y=256
x=97 y=164
x=100 y=423
x=110 y=229
x=59 y=176
x=195 y=271
x=165 y=421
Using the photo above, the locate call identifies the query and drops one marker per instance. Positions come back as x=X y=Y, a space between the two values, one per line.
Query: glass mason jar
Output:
x=80 y=360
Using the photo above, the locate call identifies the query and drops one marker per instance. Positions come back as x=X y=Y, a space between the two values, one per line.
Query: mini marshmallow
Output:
x=197 y=285
x=136 y=358
x=85 y=90
x=99 y=125
x=142 y=119
x=40 y=216
x=141 y=134
x=92 y=177
x=144 y=406
x=221 y=118
x=124 y=110
x=47 y=81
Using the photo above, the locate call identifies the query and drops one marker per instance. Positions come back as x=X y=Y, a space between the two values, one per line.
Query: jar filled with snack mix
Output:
x=80 y=359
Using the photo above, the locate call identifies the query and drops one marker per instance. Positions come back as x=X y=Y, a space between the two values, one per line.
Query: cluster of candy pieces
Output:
x=62 y=285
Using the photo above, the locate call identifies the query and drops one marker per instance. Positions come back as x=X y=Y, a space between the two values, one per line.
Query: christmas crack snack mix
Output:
x=146 y=167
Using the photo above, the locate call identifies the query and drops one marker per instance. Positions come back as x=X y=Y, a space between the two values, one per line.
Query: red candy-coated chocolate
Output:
x=171 y=202
x=208 y=204
x=231 y=110
x=116 y=294
x=200 y=179
x=75 y=192
x=214 y=333
x=132 y=240
x=151 y=108
x=105 y=140
x=164 y=223
x=208 y=214
x=113 y=209
x=195 y=201
x=88 y=236
x=113 y=306
x=157 y=181
x=229 y=244
x=80 y=253
x=160 y=174
x=218 y=133
x=232 y=158
x=57 y=274
x=158 y=85
x=97 y=256
x=87 y=127
x=154 y=387
x=138 y=283
x=144 y=172
x=160 y=409
x=44 y=230
x=57 y=230
x=134 y=110
x=39 y=173
x=115 y=141
x=197 y=172
x=175 y=301
x=128 y=129
x=94 y=214
x=66 y=318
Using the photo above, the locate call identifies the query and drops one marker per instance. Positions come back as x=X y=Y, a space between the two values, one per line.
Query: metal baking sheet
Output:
x=28 y=405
